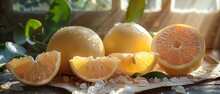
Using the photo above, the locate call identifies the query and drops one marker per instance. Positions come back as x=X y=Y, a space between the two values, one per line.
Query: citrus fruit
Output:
x=35 y=72
x=127 y=38
x=75 y=41
x=180 y=47
x=92 y=70
x=139 y=62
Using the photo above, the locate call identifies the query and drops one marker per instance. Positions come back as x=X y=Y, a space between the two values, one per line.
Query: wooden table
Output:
x=205 y=87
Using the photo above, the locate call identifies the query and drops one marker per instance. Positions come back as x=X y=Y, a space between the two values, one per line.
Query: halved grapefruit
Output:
x=181 y=49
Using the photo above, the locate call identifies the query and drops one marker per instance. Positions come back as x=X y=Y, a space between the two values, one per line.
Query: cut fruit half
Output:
x=35 y=72
x=140 y=62
x=92 y=70
x=180 y=47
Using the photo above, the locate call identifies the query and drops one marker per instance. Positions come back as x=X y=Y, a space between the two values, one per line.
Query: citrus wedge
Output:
x=180 y=47
x=35 y=72
x=140 y=62
x=92 y=70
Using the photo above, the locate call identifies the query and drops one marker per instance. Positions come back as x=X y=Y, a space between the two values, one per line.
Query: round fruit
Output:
x=180 y=47
x=38 y=72
x=92 y=70
x=127 y=38
x=75 y=41
x=139 y=62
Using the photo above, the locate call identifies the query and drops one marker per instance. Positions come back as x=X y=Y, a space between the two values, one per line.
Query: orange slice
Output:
x=140 y=62
x=180 y=47
x=38 y=72
x=92 y=70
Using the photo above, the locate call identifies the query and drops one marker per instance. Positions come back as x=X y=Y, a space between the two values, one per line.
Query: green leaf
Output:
x=135 y=10
x=152 y=75
x=58 y=16
x=33 y=28
x=19 y=35
x=10 y=50
x=30 y=34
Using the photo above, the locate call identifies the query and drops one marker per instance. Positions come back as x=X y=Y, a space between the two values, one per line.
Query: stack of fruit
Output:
x=126 y=49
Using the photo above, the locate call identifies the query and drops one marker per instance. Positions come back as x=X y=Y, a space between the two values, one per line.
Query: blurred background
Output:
x=101 y=15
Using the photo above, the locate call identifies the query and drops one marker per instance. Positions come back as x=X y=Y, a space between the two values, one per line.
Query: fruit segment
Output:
x=140 y=62
x=36 y=72
x=93 y=70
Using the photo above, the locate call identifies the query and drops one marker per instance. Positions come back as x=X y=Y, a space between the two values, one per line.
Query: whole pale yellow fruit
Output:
x=75 y=41
x=127 y=38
